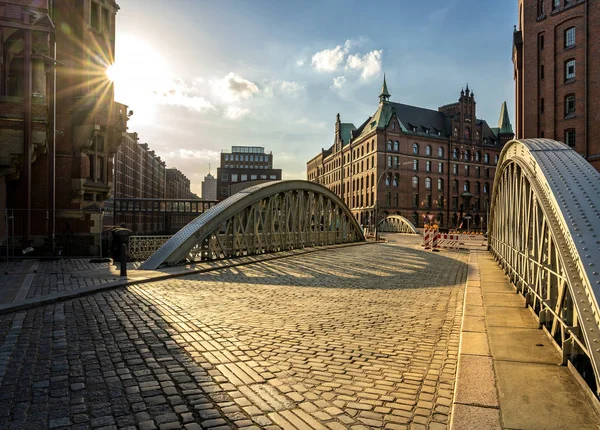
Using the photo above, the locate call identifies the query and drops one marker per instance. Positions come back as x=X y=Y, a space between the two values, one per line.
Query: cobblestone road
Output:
x=357 y=337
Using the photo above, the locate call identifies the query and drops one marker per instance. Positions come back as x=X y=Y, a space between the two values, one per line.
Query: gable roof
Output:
x=346 y=129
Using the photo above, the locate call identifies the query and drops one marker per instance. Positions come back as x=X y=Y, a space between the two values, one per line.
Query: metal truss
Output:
x=396 y=224
x=270 y=217
x=544 y=226
x=142 y=247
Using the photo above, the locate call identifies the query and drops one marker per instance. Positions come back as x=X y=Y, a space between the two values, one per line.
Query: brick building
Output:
x=243 y=167
x=178 y=185
x=556 y=57
x=414 y=162
x=69 y=167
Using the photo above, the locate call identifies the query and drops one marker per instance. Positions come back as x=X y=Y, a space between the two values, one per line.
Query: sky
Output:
x=202 y=76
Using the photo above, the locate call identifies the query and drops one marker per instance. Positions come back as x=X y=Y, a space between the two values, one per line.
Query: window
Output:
x=389 y=161
x=396 y=145
x=100 y=168
x=542 y=72
x=570 y=105
x=272 y=177
x=389 y=145
x=387 y=180
x=440 y=152
x=415 y=165
x=570 y=37
x=92 y=172
x=226 y=157
x=234 y=177
x=542 y=105
x=467 y=170
x=415 y=200
x=440 y=167
x=428 y=166
x=477 y=156
x=570 y=70
x=487 y=172
x=467 y=155
x=415 y=218
x=428 y=150
x=395 y=183
x=427 y=183
x=541 y=11
x=455 y=153
x=477 y=171
x=253 y=177
x=555 y=4
x=477 y=188
x=541 y=42
x=486 y=158
x=428 y=201
x=467 y=187
x=95 y=16
x=486 y=188
x=455 y=169
x=415 y=148
x=454 y=186
x=244 y=177
x=570 y=137
x=396 y=162
x=415 y=182
x=454 y=203
x=467 y=133
x=224 y=191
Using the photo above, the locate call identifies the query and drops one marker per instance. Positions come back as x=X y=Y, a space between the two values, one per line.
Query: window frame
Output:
x=570 y=76
x=570 y=35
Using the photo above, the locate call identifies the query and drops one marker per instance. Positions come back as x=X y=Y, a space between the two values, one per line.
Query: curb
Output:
x=72 y=294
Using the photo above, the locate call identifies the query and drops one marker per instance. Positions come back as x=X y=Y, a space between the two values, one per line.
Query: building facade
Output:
x=178 y=185
x=209 y=188
x=244 y=166
x=556 y=57
x=63 y=166
x=415 y=162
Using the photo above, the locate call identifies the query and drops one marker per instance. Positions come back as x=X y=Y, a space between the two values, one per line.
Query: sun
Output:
x=112 y=73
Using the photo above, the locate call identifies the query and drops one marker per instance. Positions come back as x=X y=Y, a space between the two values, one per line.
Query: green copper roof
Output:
x=384 y=89
x=346 y=129
x=504 y=124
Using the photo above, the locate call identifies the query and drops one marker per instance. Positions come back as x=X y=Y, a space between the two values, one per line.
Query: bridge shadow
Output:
x=372 y=266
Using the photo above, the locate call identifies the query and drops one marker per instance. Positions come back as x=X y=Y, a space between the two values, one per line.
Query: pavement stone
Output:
x=361 y=329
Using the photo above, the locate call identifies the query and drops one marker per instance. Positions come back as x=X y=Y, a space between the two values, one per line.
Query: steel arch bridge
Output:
x=270 y=217
x=396 y=224
x=544 y=232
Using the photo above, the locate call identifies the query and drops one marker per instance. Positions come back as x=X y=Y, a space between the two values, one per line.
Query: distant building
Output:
x=556 y=60
x=178 y=185
x=244 y=164
x=209 y=188
x=415 y=162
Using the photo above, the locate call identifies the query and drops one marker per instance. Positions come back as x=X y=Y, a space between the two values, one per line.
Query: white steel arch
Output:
x=396 y=224
x=269 y=217
x=544 y=232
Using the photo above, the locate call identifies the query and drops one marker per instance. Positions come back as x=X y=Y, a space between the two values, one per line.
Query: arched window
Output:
x=467 y=133
x=428 y=166
x=477 y=156
x=440 y=184
x=440 y=167
x=428 y=150
x=496 y=159
x=362 y=183
x=415 y=148
x=389 y=145
x=486 y=158
x=455 y=153
x=569 y=37
x=468 y=155
x=486 y=188
x=569 y=105
x=467 y=187
x=387 y=180
x=427 y=183
x=372 y=179
x=477 y=188
x=367 y=164
x=570 y=69
x=415 y=165
x=396 y=145
x=415 y=182
x=396 y=177
x=440 y=152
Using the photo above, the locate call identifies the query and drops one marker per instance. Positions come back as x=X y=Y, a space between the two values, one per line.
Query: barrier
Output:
x=448 y=241
x=427 y=238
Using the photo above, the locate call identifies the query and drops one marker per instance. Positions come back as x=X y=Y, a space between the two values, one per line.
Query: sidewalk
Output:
x=508 y=369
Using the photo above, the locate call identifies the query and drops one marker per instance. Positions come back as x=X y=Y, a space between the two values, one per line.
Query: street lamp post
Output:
x=377 y=197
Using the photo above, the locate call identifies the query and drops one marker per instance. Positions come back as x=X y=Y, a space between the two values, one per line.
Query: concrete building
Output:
x=556 y=57
x=209 y=188
x=243 y=165
x=415 y=162
x=64 y=164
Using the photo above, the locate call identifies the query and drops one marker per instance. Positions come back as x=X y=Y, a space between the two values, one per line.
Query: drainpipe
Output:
x=27 y=141
x=54 y=152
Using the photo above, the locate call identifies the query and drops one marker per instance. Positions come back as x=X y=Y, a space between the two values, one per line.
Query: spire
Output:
x=504 y=122
x=384 y=96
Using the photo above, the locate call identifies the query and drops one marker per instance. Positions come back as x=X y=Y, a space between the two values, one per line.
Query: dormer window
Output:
x=393 y=126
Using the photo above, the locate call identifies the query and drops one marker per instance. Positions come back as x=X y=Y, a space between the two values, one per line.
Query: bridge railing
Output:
x=270 y=217
x=544 y=226
x=396 y=224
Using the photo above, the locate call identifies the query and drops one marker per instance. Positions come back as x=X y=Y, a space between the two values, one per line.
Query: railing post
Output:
x=123 y=259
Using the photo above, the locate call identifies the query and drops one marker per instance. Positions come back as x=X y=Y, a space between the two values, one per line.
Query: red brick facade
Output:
x=414 y=162
x=556 y=59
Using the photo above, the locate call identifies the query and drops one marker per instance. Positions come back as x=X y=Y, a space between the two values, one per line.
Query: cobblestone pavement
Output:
x=49 y=276
x=357 y=337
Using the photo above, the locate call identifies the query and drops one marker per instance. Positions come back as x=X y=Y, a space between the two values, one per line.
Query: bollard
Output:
x=123 y=259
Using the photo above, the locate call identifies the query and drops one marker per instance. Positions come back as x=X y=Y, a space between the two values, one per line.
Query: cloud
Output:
x=235 y=112
x=329 y=60
x=186 y=94
x=369 y=64
x=188 y=154
x=338 y=83
x=291 y=88
x=300 y=62
x=232 y=88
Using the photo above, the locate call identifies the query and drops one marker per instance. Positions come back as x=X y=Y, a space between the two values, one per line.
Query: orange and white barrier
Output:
x=448 y=241
x=427 y=238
